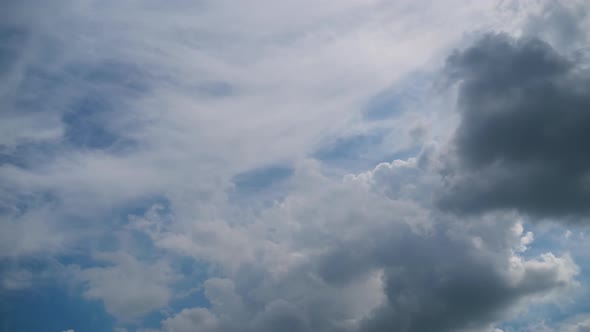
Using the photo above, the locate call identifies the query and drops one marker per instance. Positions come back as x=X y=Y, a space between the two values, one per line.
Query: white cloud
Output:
x=129 y=288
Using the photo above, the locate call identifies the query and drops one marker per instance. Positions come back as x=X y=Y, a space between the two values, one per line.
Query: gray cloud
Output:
x=563 y=23
x=525 y=125
x=427 y=287
x=394 y=265
x=446 y=290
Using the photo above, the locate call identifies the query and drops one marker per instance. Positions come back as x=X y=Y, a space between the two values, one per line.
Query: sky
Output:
x=297 y=166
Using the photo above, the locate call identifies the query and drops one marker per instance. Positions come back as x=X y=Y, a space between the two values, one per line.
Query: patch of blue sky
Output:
x=52 y=307
x=260 y=179
x=42 y=82
x=192 y=273
x=362 y=151
x=33 y=264
x=101 y=95
x=46 y=302
x=351 y=147
x=188 y=292
x=12 y=44
x=191 y=299
x=92 y=119
x=398 y=98
x=38 y=90
x=87 y=124
x=29 y=155
x=79 y=258
x=16 y=204
x=151 y=320
x=384 y=105
x=258 y=189
x=555 y=238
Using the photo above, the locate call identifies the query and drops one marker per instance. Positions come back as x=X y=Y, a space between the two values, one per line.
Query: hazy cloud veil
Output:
x=325 y=166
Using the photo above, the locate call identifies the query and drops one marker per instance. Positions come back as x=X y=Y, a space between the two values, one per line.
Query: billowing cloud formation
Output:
x=393 y=264
x=525 y=124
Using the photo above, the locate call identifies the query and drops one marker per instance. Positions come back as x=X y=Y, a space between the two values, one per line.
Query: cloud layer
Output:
x=260 y=166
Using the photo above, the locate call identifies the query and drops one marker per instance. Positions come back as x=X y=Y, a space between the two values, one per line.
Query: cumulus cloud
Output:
x=524 y=123
x=394 y=264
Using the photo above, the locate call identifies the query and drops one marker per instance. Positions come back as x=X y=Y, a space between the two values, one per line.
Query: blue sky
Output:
x=293 y=166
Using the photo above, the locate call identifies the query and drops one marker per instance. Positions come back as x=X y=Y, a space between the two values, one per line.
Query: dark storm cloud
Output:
x=440 y=283
x=525 y=127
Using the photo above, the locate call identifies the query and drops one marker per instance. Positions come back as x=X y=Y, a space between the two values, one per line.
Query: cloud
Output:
x=577 y=323
x=524 y=123
x=129 y=288
x=392 y=264
x=563 y=24
x=98 y=117
x=188 y=320
x=107 y=113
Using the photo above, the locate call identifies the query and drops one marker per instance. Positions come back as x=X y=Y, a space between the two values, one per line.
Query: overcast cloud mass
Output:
x=304 y=166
